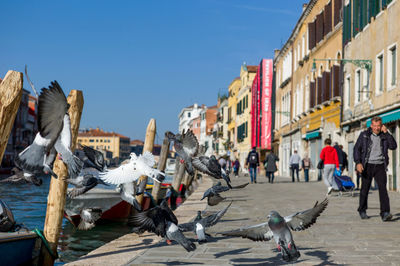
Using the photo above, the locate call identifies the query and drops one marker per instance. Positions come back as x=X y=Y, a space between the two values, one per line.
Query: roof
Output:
x=137 y=142
x=99 y=133
x=252 y=68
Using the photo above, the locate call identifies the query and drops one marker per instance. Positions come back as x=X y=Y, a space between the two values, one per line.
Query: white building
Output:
x=187 y=114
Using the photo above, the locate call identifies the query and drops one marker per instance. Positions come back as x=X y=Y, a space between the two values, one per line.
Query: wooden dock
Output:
x=127 y=247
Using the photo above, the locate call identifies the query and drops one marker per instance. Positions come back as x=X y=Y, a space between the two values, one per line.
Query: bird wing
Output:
x=214 y=167
x=198 y=163
x=187 y=227
x=144 y=220
x=62 y=146
x=214 y=199
x=51 y=110
x=214 y=218
x=302 y=220
x=123 y=174
x=190 y=144
x=259 y=232
x=173 y=233
x=219 y=189
x=148 y=158
x=93 y=155
x=240 y=186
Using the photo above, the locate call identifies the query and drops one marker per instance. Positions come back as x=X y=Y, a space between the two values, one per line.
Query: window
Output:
x=379 y=74
x=303 y=47
x=189 y=114
x=392 y=66
x=357 y=86
x=91 y=140
x=347 y=89
x=365 y=87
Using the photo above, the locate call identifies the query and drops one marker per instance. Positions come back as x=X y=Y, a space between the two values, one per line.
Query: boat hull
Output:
x=17 y=248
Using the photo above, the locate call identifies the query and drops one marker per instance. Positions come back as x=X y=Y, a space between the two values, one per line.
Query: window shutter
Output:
x=356 y=17
x=384 y=4
x=319 y=90
x=336 y=11
x=335 y=80
x=320 y=27
x=312 y=94
x=328 y=18
x=311 y=35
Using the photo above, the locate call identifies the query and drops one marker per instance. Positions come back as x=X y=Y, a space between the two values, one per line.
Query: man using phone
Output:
x=371 y=158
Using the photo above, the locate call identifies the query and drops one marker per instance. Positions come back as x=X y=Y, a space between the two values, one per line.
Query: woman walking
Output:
x=270 y=166
x=330 y=158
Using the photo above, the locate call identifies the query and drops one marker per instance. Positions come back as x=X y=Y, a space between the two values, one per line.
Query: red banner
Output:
x=255 y=107
x=266 y=95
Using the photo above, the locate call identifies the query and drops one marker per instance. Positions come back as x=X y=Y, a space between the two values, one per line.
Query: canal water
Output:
x=28 y=204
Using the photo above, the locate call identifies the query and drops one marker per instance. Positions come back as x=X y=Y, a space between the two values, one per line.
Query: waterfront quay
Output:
x=339 y=236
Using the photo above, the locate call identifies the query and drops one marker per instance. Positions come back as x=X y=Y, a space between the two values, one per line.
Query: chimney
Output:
x=305 y=6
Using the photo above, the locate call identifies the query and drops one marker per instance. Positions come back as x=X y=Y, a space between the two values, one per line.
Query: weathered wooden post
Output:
x=178 y=175
x=10 y=98
x=162 y=162
x=148 y=146
x=58 y=187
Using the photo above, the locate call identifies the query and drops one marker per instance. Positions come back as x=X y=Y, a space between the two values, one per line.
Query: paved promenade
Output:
x=339 y=237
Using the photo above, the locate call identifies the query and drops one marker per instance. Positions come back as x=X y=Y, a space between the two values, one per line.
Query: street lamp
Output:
x=363 y=63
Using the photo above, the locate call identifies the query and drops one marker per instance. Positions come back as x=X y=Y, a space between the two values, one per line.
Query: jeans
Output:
x=378 y=172
x=295 y=167
x=253 y=174
x=270 y=176
x=306 y=174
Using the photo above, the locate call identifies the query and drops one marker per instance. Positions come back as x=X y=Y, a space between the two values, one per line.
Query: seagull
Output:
x=186 y=146
x=19 y=177
x=130 y=172
x=89 y=216
x=278 y=228
x=199 y=224
x=211 y=167
x=161 y=221
x=54 y=136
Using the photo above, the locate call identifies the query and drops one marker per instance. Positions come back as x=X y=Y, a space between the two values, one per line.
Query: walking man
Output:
x=294 y=163
x=252 y=162
x=371 y=158
x=306 y=165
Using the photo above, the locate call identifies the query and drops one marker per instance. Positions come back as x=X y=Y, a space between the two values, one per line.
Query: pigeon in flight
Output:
x=217 y=188
x=199 y=224
x=211 y=167
x=83 y=183
x=54 y=136
x=130 y=172
x=186 y=146
x=19 y=177
x=161 y=221
x=89 y=216
x=95 y=159
x=128 y=192
x=278 y=228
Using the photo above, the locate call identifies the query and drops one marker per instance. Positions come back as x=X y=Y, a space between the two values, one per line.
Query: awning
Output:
x=313 y=134
x=387 y=117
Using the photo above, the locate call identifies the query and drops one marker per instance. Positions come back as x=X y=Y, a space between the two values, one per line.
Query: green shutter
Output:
x=384 y=4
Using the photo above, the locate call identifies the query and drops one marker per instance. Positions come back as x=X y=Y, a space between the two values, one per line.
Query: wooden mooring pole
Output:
x=162 y=162
x=10 y=99
x=58 y=187
x=178 y=175
x=148 y=146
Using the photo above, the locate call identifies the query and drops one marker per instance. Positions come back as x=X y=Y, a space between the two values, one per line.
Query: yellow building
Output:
x=308 y=84
x=371 y=89
x=98 y=139
x=243 y=115
x=232 y=102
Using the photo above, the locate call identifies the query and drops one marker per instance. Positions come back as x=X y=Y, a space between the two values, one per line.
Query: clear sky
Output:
x=136 y=60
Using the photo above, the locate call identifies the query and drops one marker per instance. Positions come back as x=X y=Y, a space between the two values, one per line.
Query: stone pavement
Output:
x=339 y=237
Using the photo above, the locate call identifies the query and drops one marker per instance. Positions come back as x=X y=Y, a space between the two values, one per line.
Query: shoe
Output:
x=386 y=216
x=329 y=190
x=364 y=215
x=255 y=182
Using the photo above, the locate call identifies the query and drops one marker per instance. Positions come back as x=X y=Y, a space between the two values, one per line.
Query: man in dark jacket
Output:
x=371 y=158
x=252 y=162
x=340 y=155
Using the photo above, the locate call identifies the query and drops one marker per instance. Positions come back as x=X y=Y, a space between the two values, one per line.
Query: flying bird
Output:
x=217 y=188
x=130 y=172
x=211 y=167
x=128 y=191
x=161 y=221
x=278 y=228
x=54 y=136
x=199 y=224
x=95 y=159
x=19 y=177
x=186 y=146
x=89 y=216
x=83 y=183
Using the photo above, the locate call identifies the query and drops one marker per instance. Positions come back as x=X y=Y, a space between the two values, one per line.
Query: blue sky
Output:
x=136 y=60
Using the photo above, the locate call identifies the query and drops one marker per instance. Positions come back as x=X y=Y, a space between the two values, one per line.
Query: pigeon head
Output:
x=218 y=184
x=212 y=157
x=198 y=215
x=170 y=135
x=275 y=221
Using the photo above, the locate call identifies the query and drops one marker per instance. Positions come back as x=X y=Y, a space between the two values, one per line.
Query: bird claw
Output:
x=279 y=247
x=169 y=242
x=182 y=161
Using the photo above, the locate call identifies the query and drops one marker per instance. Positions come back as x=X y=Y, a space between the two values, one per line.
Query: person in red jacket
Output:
x=330 y=158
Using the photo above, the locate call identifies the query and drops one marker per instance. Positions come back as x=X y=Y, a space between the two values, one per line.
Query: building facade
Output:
x=187 y=114
x=372 y=88
x=307 y=84
x=101 y=140
x=233 y=90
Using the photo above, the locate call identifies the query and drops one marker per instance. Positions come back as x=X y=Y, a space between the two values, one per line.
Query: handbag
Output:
x=266 y=165
x=320 y=164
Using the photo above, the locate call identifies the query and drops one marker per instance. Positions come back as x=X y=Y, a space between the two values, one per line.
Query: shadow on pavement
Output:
x=322 y=255
x=238 y=251
x=175 y=262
